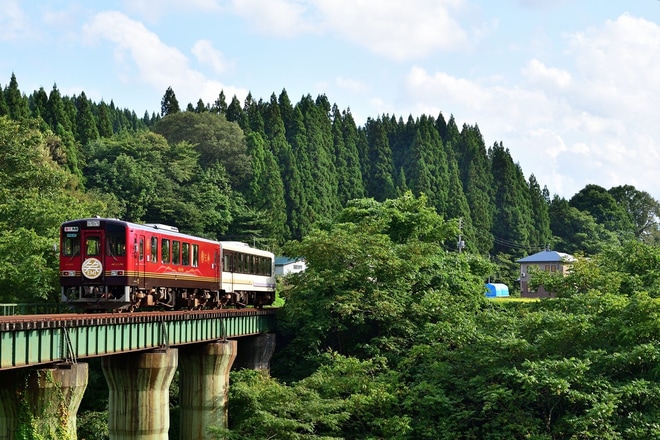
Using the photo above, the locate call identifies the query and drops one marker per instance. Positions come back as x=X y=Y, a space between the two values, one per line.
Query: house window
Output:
x=553 y=268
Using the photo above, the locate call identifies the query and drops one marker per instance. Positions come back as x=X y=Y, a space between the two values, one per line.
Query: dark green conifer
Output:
x=513 y=212
x=169 y=104
x=85 y=121
x=380 y=184
x=17 y=103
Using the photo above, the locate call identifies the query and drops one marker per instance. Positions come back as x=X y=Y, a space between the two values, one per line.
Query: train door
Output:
x=92 y=256
x=218 y=268
x=141 y=257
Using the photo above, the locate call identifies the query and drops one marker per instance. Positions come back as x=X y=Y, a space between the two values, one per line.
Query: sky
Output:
x=571 y=88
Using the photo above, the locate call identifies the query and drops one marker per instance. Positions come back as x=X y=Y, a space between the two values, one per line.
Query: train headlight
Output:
x=68 y=273
x=116 y=273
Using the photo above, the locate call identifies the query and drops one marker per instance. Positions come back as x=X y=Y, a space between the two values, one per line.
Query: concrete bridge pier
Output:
x=139 y=386
x=41 y=403
x=255 y=352
x=203 y=387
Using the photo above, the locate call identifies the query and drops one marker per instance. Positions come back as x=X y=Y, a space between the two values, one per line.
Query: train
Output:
x=113 y=265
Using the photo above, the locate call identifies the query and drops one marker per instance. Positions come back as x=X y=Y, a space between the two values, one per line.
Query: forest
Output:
x=388 y=334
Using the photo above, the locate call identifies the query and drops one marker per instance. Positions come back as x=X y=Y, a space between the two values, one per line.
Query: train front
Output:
x=94 y=264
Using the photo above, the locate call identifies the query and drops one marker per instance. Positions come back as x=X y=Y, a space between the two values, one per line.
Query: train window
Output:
x=176 y=252
x=185 y=254
x=71 y=245
x=115 y=241
x=165 y=250
x=93 y=246
x=154 y=249
x=195 y=255
x=141 y=248
x=227 y=261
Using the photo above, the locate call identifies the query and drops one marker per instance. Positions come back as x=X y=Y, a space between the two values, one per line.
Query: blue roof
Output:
x=547 y=256
x=281 y=261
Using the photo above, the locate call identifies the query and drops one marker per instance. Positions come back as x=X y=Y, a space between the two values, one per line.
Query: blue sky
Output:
x=572 y=88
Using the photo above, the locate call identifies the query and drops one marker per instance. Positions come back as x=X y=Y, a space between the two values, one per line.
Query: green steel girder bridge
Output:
x=31 y=340
x=42 y=368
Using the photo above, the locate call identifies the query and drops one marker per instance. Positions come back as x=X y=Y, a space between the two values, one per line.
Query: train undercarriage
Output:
x=130 y=299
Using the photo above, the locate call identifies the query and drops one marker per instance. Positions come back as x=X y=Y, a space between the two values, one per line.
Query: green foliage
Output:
x=628 y=269
x=215 y=140
x=642 y=210
x=169 y=105
x=577 y=231
x=93 y=425
x=36 y=196
x=365 y=274
x=603 y=207
x=261 y=407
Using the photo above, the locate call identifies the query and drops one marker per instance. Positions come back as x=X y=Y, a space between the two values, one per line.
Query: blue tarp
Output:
x=494 y=290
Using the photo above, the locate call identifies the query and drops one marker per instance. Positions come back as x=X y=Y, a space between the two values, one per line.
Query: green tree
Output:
x=85 y=121
x=38 y=104
x=379 y=171
x=169 y=105
x=602 y=206
x=103 y=121
x=474 y=169
x=36 y=196
x=349 y=175
x=381 y=258
x=215 y=139
x=540 y=199
x=513 y=211
x=17 y=103
x=266 y=190
x=642 y=209
x=320 y=154
x=302 y=202
x=576 y=231
x=220 y=104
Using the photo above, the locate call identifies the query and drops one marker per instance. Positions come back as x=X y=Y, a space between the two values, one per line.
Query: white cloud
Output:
x=351 y=85
x=282 y=18
x=143 y=56
x=206 y=54
x=391 y=28
x=152 y=10
x=396 y=29
x=13 y=22
x=538 y=73
x=595 y=122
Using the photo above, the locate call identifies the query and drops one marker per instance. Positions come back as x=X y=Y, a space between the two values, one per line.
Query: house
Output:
x=546 y=260
x=286 y=265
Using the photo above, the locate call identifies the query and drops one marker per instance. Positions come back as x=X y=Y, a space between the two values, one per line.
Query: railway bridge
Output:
x=43 y=375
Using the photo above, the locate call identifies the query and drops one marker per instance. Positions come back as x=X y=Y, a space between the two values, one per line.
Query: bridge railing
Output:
x=12 y=309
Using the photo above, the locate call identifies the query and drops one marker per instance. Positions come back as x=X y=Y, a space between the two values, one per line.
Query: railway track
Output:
x=69 y=320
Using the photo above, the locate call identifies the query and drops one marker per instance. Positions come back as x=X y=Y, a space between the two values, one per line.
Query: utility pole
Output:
x=461 y=244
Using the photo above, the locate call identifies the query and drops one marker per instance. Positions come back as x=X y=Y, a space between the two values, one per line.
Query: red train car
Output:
x=110 y=264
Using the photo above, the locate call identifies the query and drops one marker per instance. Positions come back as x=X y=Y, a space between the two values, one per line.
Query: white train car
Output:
x=248 y=274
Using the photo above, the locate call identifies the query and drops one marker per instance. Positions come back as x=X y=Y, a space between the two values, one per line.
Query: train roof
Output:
x=174 y=231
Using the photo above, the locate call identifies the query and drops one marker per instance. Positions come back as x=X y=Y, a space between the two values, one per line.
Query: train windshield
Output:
x=92 y=246
x=71 y=245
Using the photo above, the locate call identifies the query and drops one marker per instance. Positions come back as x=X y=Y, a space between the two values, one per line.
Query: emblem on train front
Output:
x=92 y=268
